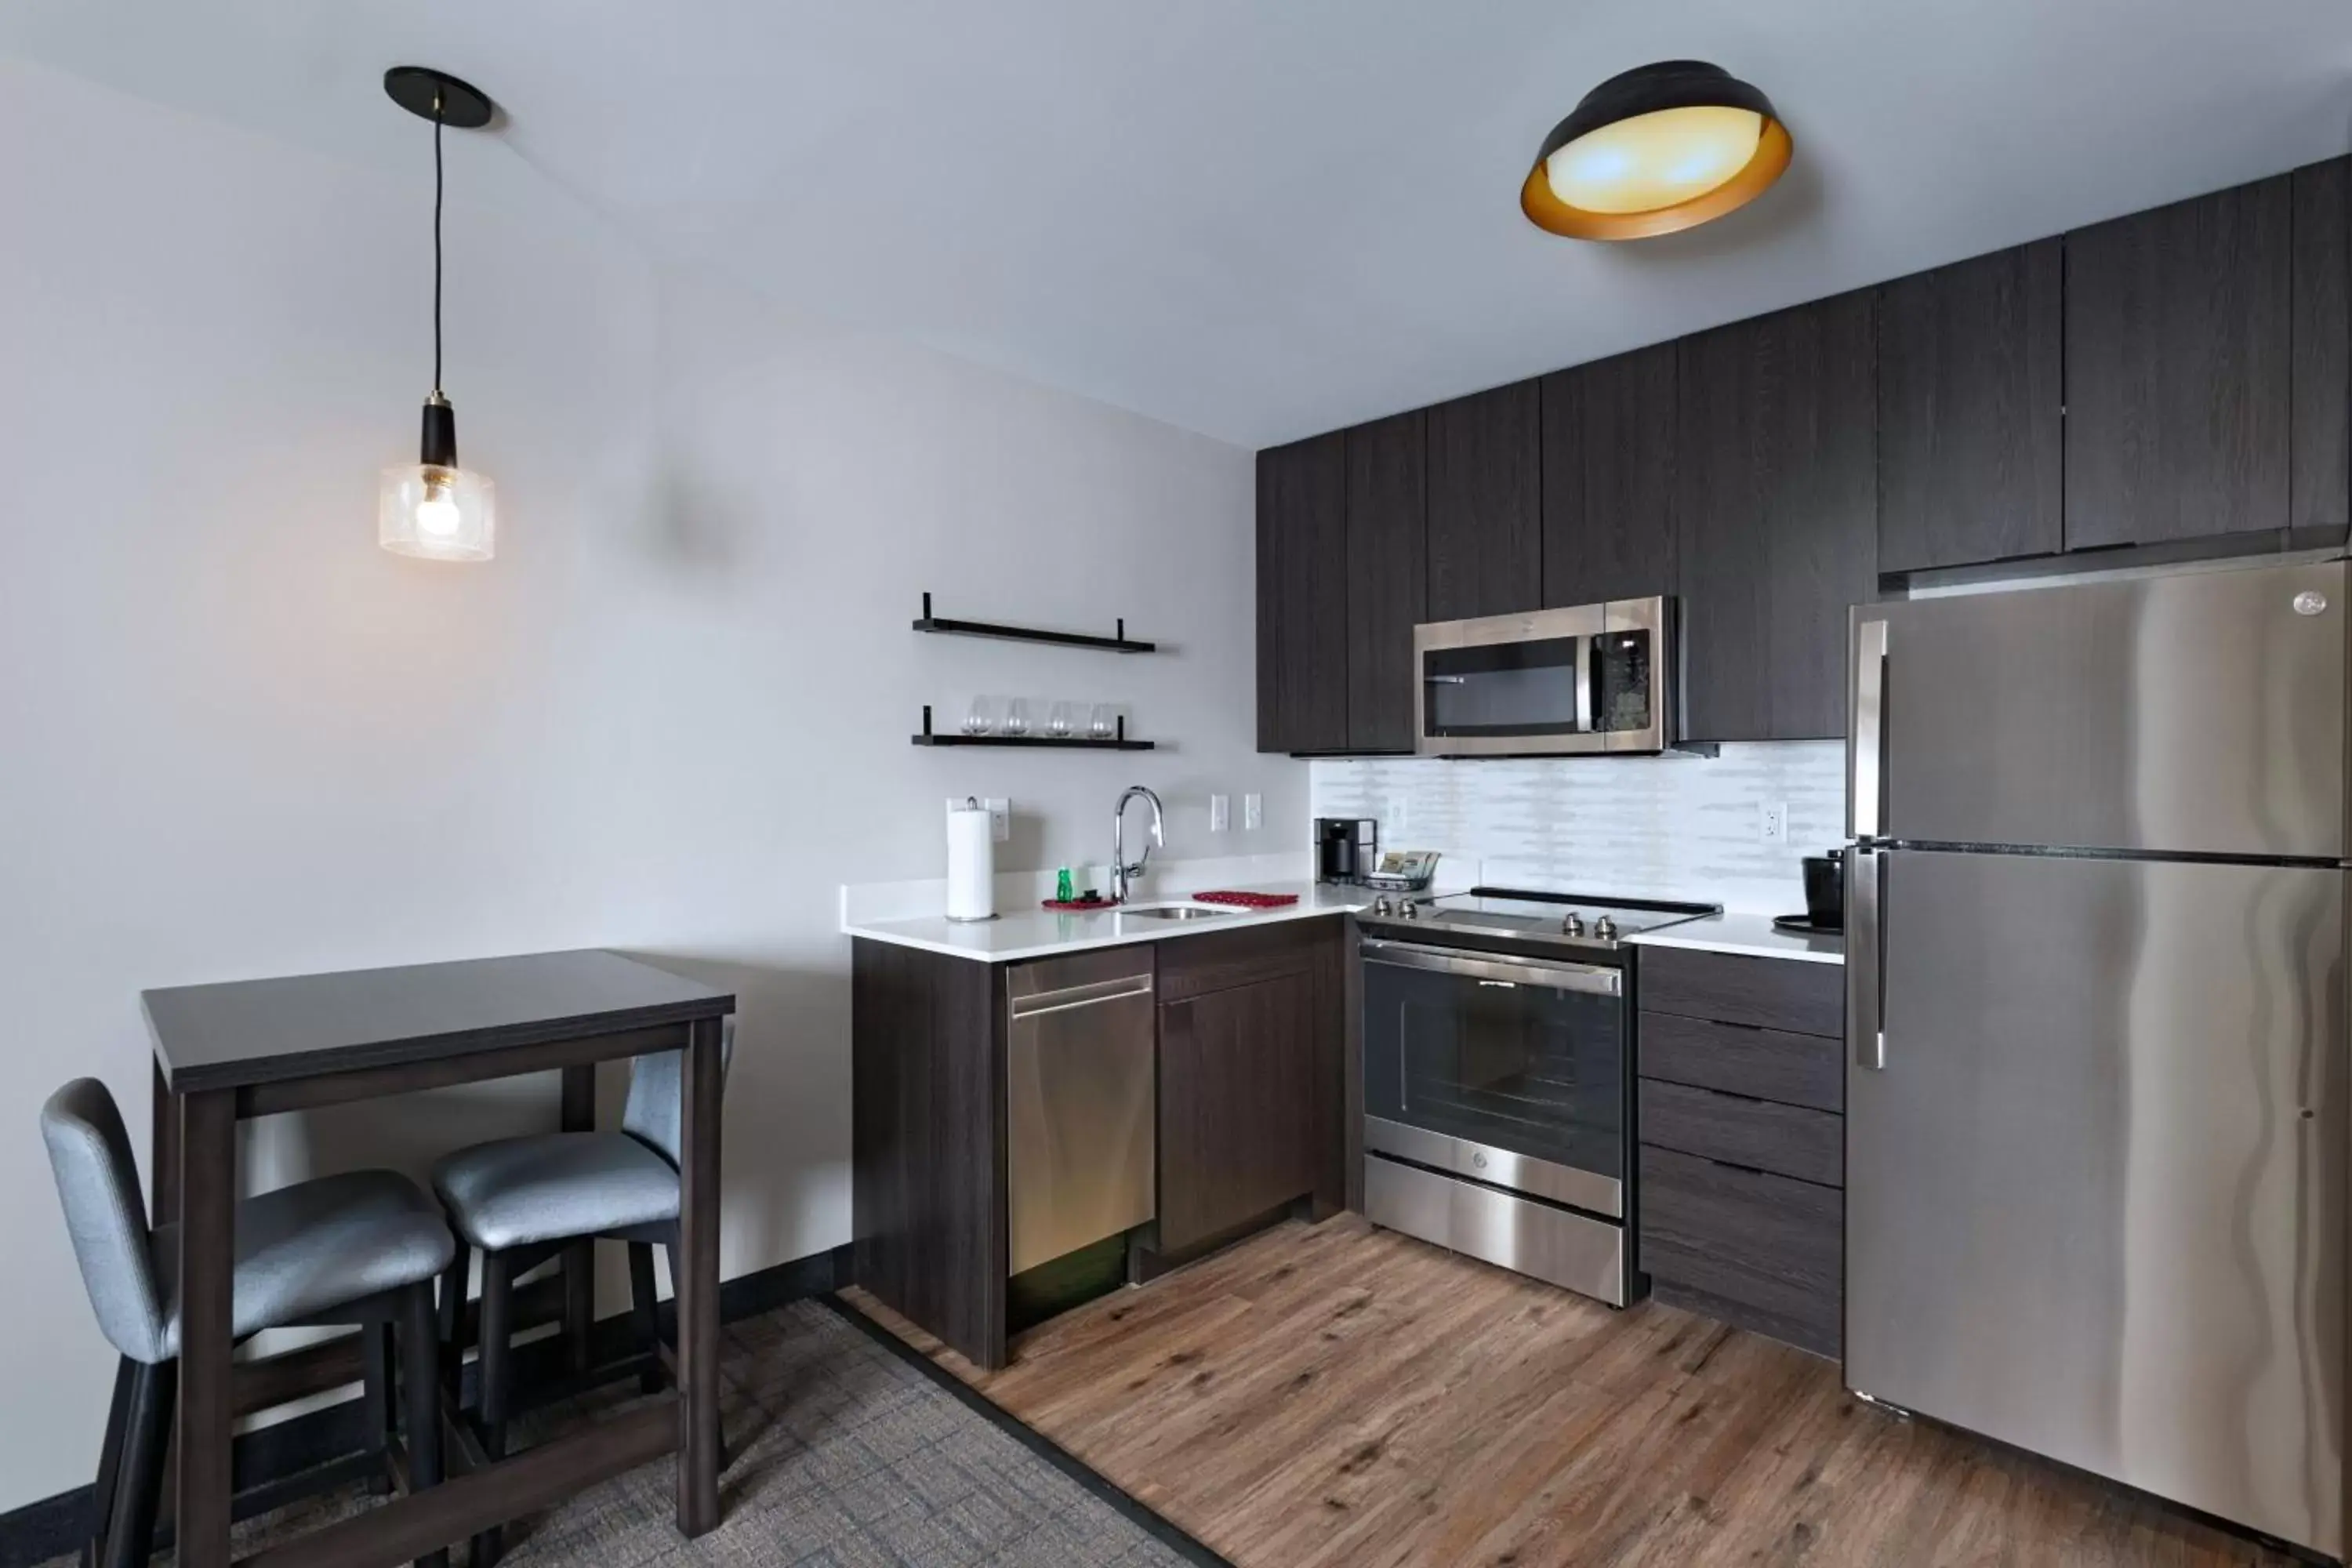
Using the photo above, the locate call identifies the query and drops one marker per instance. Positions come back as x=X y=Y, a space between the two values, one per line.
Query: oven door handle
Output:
x=1592 y=978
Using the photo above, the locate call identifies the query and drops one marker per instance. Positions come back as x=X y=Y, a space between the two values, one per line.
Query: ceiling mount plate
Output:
x=418 y=89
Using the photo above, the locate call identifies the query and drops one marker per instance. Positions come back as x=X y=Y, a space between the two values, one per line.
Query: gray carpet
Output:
x=843 y=1453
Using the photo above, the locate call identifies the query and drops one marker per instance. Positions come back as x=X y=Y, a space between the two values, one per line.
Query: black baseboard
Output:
x=265 y=1459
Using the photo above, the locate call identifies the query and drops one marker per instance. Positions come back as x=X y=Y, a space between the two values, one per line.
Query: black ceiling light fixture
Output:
x=434 y=508
x=1661 y=148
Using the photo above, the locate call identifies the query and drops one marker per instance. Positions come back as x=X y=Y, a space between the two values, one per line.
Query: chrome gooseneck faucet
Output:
x=1122 y=875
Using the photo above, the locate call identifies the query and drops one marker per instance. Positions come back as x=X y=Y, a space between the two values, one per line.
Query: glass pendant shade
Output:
x=438 y=513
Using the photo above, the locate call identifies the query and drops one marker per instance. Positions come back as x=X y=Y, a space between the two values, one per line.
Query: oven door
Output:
x=1511 y=1071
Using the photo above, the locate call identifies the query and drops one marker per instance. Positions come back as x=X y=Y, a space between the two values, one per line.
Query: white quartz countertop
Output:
x=1034 y=932
x=1749 y=936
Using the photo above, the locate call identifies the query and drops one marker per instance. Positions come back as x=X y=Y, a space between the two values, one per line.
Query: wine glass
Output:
x=1061 y=721
x=979 y=719
x=1104 y=724
x=1016 y=717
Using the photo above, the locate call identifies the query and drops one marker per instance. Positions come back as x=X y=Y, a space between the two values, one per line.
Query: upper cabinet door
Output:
x=1486 y=523
x=2179 y=370
x=1776 y=517
x=1971 y=412
x=1608 y=480
x=1302 y=597
x=2320 y=486
x=1388 y=596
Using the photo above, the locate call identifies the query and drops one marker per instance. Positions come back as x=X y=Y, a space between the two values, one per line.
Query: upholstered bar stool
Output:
x=362 y=1248
x=521 y=1201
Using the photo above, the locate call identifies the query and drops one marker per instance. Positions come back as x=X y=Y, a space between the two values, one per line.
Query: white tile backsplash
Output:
x=1656 y=827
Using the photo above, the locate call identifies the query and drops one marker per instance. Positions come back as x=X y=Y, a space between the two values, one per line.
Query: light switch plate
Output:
x=1772 y=821
x=1000 y=818
x=1220 y=813
x=1253 y=812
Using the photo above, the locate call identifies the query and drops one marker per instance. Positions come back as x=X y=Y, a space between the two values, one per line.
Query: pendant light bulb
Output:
x=434 y=508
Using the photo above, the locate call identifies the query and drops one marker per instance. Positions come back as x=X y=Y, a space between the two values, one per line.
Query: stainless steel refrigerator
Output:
x=2096 y=1056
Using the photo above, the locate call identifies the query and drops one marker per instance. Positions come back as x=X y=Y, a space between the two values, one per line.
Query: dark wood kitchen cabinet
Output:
x=1387 y=568
x=1776 y=517
x=1485 y=512
x=1250 y=1078
x=2180 y=370
x=1302 y=597
x=2319 y=485
x=1740 y=1213
x=1972 y=411
x=1609 y=479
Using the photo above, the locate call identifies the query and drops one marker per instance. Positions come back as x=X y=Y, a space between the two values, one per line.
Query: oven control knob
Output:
x=1408 y=910
x=1605 y=929
x=1380 y=906
x=1573 y=925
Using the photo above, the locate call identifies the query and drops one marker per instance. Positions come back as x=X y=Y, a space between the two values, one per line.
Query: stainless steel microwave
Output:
x=1596 y=679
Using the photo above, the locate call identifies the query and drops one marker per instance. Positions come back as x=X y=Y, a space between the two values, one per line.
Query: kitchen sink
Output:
x=1175 y=913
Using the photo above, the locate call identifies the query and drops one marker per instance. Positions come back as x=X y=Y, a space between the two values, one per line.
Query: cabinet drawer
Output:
x=1791 y=994
x=1740 y=1059
x=1218 y=960
x=1786 y=1140
x=1764 y=1252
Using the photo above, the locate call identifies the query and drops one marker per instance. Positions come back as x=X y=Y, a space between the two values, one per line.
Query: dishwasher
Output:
x=1080 y=1102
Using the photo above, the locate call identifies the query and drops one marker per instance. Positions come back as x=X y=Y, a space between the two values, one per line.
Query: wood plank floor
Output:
x=1337 y=1394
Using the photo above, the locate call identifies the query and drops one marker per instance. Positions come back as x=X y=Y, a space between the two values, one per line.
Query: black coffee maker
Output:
x=1346 y=847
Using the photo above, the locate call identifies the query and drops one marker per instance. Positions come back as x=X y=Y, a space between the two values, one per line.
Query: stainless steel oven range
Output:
x=1497 y=1089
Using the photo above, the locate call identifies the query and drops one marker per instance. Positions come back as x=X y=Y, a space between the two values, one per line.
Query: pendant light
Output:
x=433 y=508
x=1666 y=147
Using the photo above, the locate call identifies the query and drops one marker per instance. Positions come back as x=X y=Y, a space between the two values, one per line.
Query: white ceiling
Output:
x=1264 y=218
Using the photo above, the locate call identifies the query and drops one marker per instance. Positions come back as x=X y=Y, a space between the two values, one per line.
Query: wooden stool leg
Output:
x=645 y=1314
x=496 y=1336
x=110 y=1462
x=420 y=1381
x=453 y=1313
x=138 y=1482
x=375 y=1383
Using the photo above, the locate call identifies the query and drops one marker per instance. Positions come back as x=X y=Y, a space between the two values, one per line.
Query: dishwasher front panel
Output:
x=1080 y=1102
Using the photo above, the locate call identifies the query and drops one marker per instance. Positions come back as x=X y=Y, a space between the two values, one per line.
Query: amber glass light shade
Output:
x=1667 y=147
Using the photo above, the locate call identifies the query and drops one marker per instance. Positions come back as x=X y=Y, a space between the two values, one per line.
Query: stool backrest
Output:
x=656 y=1104
x=98 y=1184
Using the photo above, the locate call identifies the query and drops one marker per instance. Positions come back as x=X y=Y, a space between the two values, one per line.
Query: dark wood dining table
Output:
x=257 y=1047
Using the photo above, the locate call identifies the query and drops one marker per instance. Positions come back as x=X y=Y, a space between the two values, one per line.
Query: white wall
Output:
x=1671 y=828
x=672 y=717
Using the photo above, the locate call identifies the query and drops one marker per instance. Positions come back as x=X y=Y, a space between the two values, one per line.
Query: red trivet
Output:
x=1249 y=901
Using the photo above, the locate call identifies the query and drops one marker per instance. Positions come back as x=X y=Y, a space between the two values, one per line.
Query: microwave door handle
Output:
x=1586 y=669
x=1869 y=767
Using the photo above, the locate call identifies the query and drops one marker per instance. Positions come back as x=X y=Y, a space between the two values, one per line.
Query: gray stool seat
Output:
x=518 y=1192
x=317 y=1246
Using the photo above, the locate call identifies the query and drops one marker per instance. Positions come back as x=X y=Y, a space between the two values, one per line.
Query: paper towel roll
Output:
x=971 y=866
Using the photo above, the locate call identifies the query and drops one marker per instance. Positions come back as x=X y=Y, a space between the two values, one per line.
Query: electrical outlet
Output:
x=1772 y=821
x=1252 y=813
x=1220 y=813
x=1392 y=819
x=1000 y=819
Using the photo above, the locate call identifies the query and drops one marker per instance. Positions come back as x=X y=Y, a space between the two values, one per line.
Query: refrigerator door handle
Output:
x=1869 y=761
x=1866 y=1001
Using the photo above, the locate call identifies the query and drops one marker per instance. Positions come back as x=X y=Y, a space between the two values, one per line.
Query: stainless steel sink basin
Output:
x=1176 y=912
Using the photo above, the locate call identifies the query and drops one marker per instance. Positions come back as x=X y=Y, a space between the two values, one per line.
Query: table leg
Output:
x=208 y=1202
x=163 y=1152
x=579 y=1264
x=696 y=1285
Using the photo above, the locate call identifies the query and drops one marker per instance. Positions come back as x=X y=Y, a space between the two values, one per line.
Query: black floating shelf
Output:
x=943 y=626
x=1063 y=742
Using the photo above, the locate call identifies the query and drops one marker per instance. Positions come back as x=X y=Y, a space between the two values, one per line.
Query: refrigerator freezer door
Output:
x=2199 y=712
x=2096 y=1199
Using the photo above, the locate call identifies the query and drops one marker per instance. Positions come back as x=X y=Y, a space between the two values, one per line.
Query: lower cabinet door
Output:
x=1761 y=1251
x=1237 y=1106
